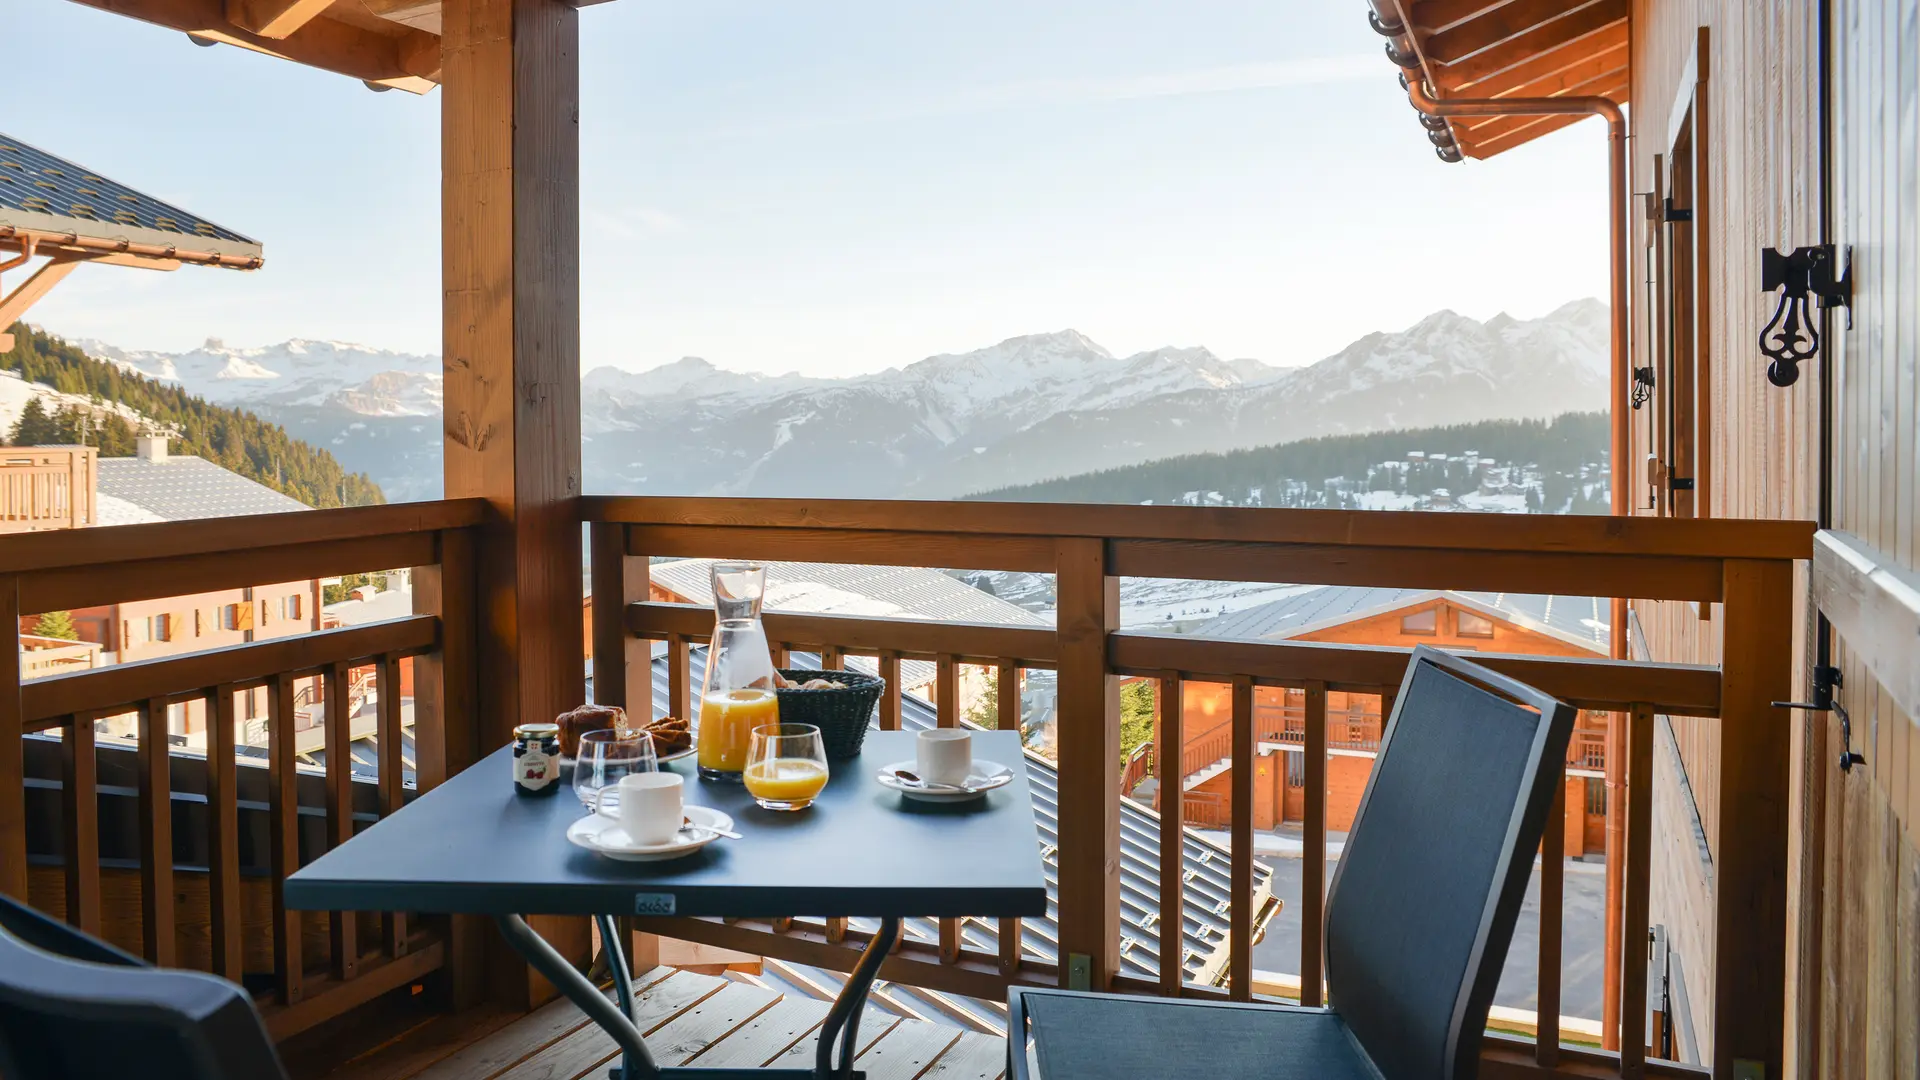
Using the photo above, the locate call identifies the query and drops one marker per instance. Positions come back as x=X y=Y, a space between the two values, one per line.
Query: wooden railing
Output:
x=1746 y=566
x=178 y=884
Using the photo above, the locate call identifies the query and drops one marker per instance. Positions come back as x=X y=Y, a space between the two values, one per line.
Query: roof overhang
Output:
x=1483 y=50
x=387 y=44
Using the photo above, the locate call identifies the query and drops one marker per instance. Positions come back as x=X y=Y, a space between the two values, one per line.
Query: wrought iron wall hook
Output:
x=1825 y=679
x=1792 y=337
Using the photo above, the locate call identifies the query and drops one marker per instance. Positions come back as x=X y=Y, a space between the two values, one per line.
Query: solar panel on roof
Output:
x=69 y=184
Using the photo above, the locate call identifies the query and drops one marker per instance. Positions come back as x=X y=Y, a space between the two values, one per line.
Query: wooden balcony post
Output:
x=1750 y=863
x=1088 y=725
x=510 y=247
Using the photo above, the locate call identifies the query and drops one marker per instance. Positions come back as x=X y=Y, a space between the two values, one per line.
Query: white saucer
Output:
x=603 y=835
x=986 y=776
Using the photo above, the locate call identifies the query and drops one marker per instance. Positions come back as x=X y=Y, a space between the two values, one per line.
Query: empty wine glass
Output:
x=786 y=766
x=606 y=756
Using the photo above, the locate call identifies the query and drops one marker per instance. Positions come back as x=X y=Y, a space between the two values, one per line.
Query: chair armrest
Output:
x=1016 y=1035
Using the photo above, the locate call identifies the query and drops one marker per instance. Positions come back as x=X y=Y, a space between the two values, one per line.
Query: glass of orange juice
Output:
x=786 y=766
x=727 y=720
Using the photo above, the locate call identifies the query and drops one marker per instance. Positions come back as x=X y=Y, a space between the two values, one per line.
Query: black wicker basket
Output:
x=842 y=715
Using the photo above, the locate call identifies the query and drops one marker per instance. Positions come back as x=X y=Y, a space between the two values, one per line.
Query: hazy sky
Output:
x=846 y=186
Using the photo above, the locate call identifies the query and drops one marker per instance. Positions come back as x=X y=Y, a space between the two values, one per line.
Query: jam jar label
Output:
x=534 y=769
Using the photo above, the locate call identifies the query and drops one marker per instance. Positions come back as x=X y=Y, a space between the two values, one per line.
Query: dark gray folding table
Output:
x=471 y=846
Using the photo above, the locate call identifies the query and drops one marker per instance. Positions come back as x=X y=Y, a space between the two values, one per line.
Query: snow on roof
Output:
x=111 y=511
x=391 y=604
x=1579 y=620
x=186 y=489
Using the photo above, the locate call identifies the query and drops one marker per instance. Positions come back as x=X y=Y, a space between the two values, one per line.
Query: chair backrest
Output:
x=107 y=1014
x=1433 y=873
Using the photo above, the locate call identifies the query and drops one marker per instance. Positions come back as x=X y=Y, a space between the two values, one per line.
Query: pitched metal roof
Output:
x=44 y=193
x=901 y=592
x=185 y=488
x=1578 y=620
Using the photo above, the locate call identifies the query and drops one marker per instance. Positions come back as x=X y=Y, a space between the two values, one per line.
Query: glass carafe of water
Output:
x=737 y=693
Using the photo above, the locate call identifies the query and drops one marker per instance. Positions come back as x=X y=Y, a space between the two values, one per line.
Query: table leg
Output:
x=615 y=1020
x=843 y=1020
x=615 y=951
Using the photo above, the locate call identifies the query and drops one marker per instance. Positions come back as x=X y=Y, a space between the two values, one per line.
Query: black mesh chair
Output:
x=72 y=1006
x=1419 y=915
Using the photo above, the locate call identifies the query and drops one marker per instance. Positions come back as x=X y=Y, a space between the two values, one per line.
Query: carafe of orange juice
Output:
x=737 y=694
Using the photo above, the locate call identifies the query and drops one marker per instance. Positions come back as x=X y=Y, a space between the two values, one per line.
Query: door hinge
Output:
x=1675 y=213
x=1681 y=483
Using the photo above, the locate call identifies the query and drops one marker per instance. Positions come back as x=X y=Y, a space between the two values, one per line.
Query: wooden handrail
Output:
x=105 y=547
x=1719 y=538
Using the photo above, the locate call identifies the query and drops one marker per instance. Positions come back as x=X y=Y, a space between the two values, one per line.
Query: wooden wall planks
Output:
x=1855 y=898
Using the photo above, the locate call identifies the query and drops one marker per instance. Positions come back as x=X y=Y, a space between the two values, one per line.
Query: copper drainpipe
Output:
x=1608 y=110
x=27 y=245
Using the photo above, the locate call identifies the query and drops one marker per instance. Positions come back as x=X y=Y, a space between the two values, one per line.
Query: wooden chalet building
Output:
x=1570 y=626
x=1779 y=539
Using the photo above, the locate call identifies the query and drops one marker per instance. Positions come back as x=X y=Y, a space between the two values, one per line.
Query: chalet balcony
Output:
x=176 y=853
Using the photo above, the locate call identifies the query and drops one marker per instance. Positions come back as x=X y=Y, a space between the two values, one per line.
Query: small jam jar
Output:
x=536 y=759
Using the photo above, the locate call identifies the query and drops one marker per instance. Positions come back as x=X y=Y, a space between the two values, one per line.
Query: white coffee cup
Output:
x=651 y=807
x=944 y=756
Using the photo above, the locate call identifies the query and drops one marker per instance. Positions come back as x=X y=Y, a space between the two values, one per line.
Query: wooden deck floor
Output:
x=689 y=1019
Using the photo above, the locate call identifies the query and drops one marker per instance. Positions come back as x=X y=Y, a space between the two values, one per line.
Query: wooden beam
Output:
x=1490 y=28
x=1507 y=83
x=274 y=18
x=1525 y=46
x=14 y=305
x=323 y=42
x=1432 y=16
x=1610 y=64
x=1507 y=132
x=1525 y=132
x=510 y=273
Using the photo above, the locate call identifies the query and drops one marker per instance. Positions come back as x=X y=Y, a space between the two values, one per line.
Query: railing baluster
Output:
x=1240 y=905
x=946 y=690
x=13 y=765
x=80 y=788
x=1313 y=844
x=1007 y=718
x=832 y=658
x=1553 y=869
x=1633 y=923
x=283 y=812
x=156 y=837
x=389 y=739
x=223 y=838
x=679 y=694
x=342 y=926
x=782 y=655
x=1171 y=786
x=946 y=703
x=890 y=697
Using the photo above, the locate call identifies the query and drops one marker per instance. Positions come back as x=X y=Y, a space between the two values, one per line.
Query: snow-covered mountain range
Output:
x=1026 y=409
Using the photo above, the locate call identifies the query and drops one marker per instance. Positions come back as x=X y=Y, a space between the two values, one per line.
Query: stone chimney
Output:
x=151 y=448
